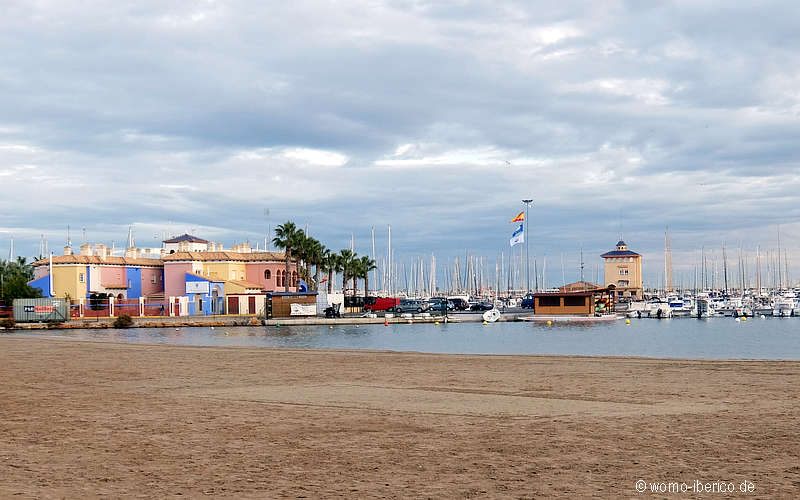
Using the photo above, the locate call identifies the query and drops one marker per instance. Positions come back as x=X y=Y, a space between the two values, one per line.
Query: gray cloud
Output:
x=434 y=118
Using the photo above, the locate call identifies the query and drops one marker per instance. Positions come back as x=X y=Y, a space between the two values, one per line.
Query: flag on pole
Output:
x=518 y=236
x=519 y=218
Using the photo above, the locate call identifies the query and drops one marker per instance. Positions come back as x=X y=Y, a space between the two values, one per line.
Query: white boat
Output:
x=680 y=306
x=637 y=309
x=704 y=308
x=657 y=308
x=783 y=306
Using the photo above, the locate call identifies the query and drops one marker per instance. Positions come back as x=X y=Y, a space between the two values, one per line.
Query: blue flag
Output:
x=518 y=236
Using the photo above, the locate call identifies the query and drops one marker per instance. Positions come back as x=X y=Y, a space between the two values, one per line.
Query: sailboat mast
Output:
x=725 y=267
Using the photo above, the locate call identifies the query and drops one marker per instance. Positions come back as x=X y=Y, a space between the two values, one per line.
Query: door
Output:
x=251 y=305
x=233 y=305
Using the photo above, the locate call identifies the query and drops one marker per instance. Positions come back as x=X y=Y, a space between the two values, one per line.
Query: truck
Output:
x=381 y=304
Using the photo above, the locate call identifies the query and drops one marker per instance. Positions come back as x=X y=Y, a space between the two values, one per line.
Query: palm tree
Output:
x=346 y=261
x=334 y=265
x=286 y=238
x=356 y=273
x=367 y=265
x=313 y=257
x=301 y=244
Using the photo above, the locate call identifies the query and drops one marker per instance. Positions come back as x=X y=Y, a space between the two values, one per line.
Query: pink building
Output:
x=267 y=269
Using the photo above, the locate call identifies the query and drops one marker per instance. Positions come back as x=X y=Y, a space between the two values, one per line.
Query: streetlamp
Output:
x=527 y=253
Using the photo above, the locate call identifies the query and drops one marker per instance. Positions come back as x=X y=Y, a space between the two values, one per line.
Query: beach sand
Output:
x=93 y=419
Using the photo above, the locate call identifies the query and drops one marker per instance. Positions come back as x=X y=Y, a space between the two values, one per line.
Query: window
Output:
x=622 y=283
x=623 y=272
x=574 y=301
x=242 y=276
x=549 y=301
x=153 y=278
x=266 y=274
x=81 y=278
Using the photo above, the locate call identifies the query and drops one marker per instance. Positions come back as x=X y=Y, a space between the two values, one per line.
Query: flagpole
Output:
x=527 y=253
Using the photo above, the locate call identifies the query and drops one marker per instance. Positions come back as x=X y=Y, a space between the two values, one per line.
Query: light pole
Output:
x=527 y=254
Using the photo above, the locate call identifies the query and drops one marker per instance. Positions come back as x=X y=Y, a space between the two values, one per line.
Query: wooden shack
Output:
x=293 y=305
x=585 y=303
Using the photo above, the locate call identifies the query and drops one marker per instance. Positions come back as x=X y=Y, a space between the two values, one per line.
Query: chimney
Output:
x=147 y=253
x=67 y=250
x=86 y=249
x=163 y=252
x=130 y=253
x=100 y=251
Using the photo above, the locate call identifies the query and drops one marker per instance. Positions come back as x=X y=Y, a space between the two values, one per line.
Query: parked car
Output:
x=527 y=301
x=409 y=305
x=459 y=304
x=435 y=304
x=481 y=306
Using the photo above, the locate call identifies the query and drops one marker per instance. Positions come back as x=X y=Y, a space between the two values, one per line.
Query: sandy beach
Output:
x=92 y=419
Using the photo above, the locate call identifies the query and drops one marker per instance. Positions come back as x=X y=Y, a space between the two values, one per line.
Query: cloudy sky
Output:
x=436 y=118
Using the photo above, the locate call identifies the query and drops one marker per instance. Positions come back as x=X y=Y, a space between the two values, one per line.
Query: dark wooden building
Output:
x=574 y=303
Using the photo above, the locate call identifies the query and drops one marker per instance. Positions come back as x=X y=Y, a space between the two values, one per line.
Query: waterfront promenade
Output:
x=84 y=419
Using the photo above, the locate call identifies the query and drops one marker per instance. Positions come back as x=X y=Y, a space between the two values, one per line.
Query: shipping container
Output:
x=41 y=310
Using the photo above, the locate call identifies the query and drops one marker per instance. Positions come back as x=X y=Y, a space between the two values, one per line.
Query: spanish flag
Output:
x=519 y=218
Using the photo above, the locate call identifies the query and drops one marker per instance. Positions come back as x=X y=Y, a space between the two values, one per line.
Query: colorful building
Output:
x=623 y=269
x=187 y=243
x=207 y=281
x=79 y=276
x=266 y=270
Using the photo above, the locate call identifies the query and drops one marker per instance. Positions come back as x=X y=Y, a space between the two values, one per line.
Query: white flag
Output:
x=518 y=236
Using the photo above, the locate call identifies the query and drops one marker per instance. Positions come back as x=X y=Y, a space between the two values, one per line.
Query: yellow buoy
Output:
x=485 y=323
x=436 y=323
x=549 y=322
x=744 y=318
x=627 y=322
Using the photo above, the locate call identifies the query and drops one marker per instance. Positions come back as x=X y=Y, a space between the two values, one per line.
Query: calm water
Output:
x=717 y=338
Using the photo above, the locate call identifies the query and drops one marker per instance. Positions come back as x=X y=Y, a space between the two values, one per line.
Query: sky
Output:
x=226 y=118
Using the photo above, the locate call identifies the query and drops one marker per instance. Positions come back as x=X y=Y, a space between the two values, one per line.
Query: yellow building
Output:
x=623 y=270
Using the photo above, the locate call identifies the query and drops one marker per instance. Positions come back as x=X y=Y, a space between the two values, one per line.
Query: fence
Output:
x=173 y=306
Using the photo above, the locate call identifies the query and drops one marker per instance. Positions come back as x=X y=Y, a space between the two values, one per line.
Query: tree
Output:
x=310 y=251
x=301 y=245
x=14 y=278
x=367 y=265
x=347 y=262
x=285 y=238
x=356 y=273
x=317 y=252
x=334 y=265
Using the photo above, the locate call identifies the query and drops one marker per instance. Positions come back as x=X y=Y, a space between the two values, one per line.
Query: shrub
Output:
x=123 y=321
x=8 y=323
